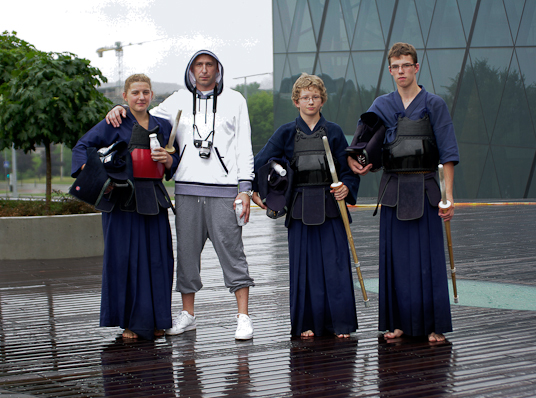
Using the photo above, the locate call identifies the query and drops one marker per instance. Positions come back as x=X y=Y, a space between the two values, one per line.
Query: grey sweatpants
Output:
x=197 y=219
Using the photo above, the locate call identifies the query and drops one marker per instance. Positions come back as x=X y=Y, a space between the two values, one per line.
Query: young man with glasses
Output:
x=215 y=169
x=413 y=294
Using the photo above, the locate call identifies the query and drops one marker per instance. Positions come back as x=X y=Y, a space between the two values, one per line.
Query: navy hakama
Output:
x=138 y=264
x=413 y=290
x=137 y=274
x=321 y=285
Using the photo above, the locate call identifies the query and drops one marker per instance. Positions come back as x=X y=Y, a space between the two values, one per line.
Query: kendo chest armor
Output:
x=414 y=148
x=312 y=201
x=309 y=160
x=150 y=193
x=142 y=164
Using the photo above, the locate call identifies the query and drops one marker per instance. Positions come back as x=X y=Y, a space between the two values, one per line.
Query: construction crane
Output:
x=118 y=48
x=119 y=54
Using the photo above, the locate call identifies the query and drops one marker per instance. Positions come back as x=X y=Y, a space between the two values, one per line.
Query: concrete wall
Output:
x=50 y=237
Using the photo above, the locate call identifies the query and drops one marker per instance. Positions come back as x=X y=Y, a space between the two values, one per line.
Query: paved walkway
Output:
x=51 y=345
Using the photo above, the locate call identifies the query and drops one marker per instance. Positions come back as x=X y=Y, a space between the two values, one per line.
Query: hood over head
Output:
x=189 y=78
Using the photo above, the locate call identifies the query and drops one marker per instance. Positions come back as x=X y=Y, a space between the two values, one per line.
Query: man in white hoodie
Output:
x=215 y=169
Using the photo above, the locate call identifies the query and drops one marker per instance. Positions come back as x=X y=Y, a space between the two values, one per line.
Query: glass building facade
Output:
x=475 y=54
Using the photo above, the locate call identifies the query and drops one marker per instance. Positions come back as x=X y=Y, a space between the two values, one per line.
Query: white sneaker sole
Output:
x=170 y=332
x=246 y=337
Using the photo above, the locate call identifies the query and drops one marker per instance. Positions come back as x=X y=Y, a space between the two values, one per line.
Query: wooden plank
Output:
x=51 y=345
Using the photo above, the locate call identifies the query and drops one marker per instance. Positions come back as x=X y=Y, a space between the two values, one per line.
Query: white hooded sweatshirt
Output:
x=229 y=168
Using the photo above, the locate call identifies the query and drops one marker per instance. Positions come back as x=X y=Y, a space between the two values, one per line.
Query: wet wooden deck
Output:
x=51 y=345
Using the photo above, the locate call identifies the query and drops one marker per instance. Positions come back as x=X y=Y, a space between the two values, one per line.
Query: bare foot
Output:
x=342 y=336
x=432 y=337
x=307 y=333
x=129 y=334
x=393 y=335
x=159 y=333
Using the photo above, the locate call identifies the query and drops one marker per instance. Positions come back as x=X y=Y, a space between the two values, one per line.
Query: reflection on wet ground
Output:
x=51 y=345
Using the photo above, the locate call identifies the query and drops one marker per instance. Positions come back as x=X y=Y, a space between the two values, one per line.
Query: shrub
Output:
x=61 y=205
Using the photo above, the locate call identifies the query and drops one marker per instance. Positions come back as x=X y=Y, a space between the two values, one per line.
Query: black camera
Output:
x=204 y=148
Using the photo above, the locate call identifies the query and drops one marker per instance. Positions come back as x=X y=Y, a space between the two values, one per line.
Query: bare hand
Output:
x=448 y=213
x=160 y=155
x=340 y=192
x=356 y=167
x=258 y=201
x=116 y=115
x=245 y=205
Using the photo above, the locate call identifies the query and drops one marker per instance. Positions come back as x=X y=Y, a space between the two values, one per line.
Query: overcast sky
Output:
x=238 y=31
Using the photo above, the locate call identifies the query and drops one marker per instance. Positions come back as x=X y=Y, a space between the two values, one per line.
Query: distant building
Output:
x=478 y=55
x=161 y=90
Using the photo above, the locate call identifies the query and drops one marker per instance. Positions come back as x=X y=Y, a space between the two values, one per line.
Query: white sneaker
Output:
x=182 y=323
x=244 y=329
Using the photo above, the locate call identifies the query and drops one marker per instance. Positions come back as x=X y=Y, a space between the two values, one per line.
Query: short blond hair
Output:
x=306 y=81
x=137 y=77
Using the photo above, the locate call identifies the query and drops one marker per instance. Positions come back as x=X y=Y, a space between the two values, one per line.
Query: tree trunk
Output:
x=48 y=193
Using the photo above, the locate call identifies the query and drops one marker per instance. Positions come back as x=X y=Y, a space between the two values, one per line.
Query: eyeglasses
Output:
x=404 y=67
x=316 y=98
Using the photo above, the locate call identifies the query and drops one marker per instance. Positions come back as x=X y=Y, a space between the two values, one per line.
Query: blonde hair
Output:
x=399 y=49
x=306 y=81
x=138 y=77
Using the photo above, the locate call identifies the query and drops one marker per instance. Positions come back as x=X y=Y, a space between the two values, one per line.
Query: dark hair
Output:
x=399 y=49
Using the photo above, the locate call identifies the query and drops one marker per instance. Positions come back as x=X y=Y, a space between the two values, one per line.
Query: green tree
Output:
x=12 y=50
x=46 y=98
x=261 y=113
x=249 y=90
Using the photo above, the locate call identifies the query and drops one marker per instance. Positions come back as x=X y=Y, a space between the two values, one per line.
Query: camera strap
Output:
x=214 y=109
